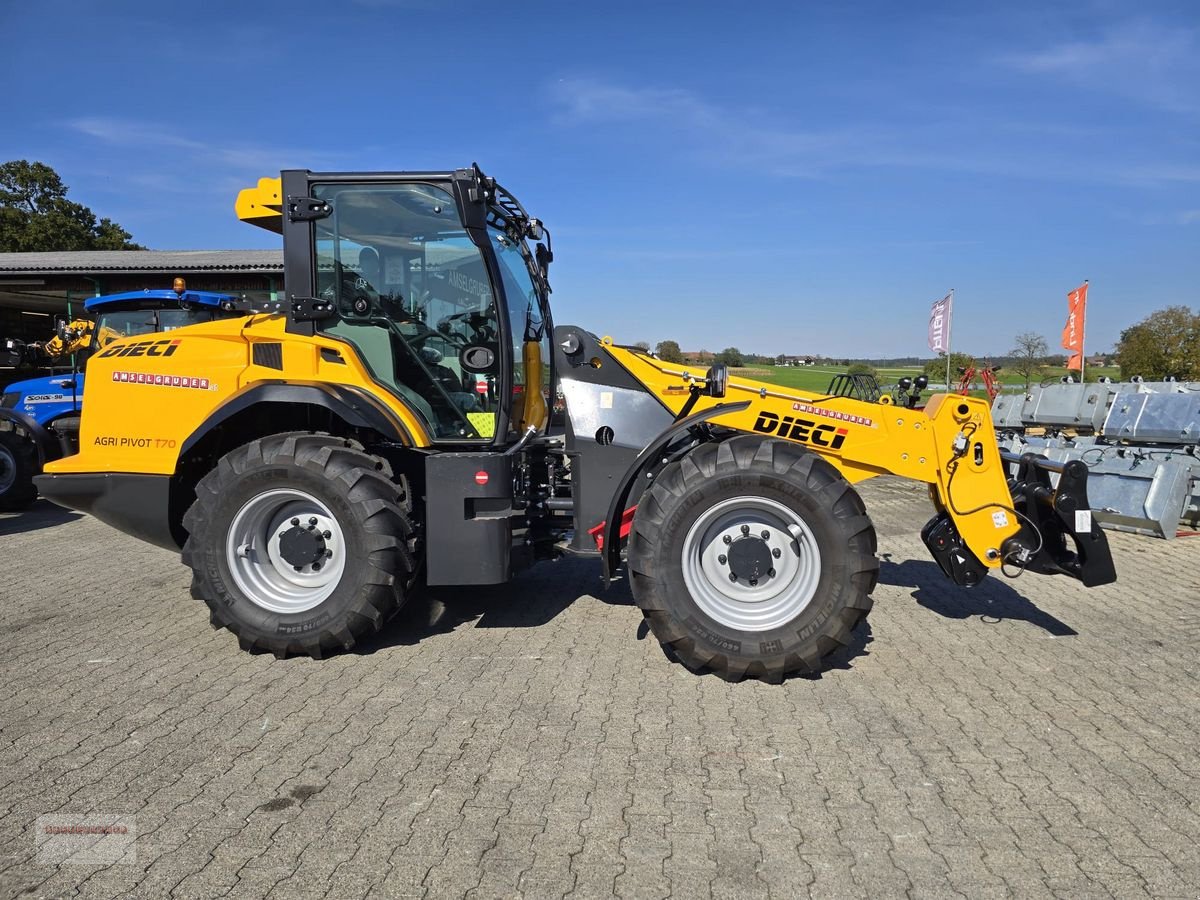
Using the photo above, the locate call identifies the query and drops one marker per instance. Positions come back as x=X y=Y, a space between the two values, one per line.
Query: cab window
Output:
x=530 y=339
x=120 y=323
x=413 y=296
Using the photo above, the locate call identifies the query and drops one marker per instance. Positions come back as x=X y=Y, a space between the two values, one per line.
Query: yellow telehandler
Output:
x=407 y=412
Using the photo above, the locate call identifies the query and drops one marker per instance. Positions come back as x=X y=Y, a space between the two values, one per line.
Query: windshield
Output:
x=119 y=323
x=530 y=341
x=124 y=323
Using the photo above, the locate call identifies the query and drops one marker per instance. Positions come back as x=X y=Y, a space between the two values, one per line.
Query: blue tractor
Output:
x=39 y=418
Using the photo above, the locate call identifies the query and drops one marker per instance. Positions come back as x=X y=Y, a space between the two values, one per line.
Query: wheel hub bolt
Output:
x=317 y=566
x=777 y=553
x=766 y=535
x=312 y=520
x=770 y=573
x=727 y=539
x=327 y=534
x=295 y=521
x=732 y=577
x=745 y=529
x=722 y=559
x=297 y=568
x=753 y=582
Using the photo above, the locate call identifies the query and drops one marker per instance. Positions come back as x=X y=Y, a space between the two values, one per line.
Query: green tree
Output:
x=35 y=214
x=1029 y=356
x=861 y=369
x=732 y=357
x=936 y=368
x=643 y=345
x=668 y=351
x=1166 y=342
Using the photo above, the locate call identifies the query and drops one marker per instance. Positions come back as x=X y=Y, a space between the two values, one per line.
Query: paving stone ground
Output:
x=1028 y=738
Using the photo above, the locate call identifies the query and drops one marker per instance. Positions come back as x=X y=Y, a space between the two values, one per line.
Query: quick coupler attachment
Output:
x=1051 y=513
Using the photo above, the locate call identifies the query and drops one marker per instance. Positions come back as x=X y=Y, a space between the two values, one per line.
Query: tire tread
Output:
x=747 y=454
x=379 y=505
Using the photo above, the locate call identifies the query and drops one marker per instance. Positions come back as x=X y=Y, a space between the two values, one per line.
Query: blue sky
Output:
x=781 y=177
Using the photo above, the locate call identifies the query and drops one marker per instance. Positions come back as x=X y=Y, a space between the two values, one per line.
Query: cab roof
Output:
x=199 y=298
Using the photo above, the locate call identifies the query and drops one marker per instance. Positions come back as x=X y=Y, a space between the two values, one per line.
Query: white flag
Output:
x=939 y=325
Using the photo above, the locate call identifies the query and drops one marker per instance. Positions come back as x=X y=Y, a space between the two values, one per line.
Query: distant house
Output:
x=785 y=360
x=1099 y=360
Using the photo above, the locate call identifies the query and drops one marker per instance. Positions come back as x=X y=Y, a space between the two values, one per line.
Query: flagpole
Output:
x=1083 y=339
x=949 y=334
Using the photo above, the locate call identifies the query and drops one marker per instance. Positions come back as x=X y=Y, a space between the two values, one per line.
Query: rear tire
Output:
x=18 y=465
x=752 y=558
x=300 y=544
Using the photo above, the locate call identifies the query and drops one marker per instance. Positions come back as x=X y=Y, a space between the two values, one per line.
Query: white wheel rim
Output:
x=774 y=600
x=256 y=560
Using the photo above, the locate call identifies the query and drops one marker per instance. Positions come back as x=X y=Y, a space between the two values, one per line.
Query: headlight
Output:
x=9 y=401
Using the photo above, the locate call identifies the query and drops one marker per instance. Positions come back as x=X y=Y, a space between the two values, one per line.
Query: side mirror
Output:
x=543 y=256
x=718 y=380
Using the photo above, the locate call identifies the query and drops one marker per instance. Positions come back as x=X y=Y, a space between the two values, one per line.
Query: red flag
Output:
x=939 y=324
x=1072 y=336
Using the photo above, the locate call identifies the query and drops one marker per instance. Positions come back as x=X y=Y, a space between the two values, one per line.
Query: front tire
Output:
x=752 y=558
x=18 y=465
x=299 y=544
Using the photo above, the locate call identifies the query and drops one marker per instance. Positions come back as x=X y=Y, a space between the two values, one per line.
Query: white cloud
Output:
x=590 y=100
x=762 y=143
x=727 y=137
x=249 y=160
x=1145 y=61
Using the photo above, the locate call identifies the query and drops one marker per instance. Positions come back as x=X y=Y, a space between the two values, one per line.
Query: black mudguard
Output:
x=649 y=457
x=49 y=448
x=353 y=405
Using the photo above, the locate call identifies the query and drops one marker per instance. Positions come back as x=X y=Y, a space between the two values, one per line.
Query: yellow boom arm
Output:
x=949 y=445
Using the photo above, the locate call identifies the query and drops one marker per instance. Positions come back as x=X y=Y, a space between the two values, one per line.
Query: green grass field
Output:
x=817 y=378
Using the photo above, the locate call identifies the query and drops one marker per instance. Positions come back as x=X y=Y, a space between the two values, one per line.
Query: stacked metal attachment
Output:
x=1140 y=441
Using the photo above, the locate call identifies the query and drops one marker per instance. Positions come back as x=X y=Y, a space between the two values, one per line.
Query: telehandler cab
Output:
x=408 y=412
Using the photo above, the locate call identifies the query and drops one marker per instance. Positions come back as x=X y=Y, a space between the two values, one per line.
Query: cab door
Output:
x=413 y=294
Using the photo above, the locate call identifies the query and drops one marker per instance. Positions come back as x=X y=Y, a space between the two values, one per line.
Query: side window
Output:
x=413 y=296
x=531 y=342
x=171 y=319
x=122 y=323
